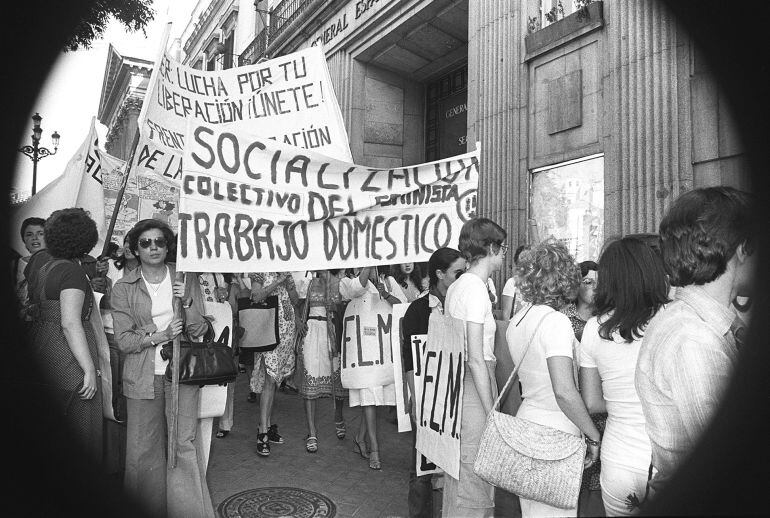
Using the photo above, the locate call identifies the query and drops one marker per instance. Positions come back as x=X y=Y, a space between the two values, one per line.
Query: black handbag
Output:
x=204 y=363
x=259 y=321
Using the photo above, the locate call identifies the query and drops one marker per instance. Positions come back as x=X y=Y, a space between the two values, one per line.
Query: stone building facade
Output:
x=123 y=89
x=591 y=117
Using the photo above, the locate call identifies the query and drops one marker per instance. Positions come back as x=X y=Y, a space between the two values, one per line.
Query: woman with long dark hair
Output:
x=444 y=267
x=632 y=287
x=143 y=319
x=62 y=337
x=405 y=281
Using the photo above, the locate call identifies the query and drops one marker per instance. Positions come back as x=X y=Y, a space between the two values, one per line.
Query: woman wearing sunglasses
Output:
x=143 y=320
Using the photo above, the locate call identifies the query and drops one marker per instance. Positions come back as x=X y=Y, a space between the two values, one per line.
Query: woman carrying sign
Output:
x=365 y=335
x=468 y=299
x=143 y=319
x=444 y=267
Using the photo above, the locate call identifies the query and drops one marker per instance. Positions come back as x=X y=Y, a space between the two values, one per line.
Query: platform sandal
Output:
x=374 y=460
x=311 y=444
x=263 y=445
x=340 y=429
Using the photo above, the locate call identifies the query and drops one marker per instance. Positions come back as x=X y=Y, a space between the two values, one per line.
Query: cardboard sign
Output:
x=367 y=357
x=144 y=197
x=247 y=202
x=404 y=423
x=424 y=466
x=439 y=370
x=289 y=99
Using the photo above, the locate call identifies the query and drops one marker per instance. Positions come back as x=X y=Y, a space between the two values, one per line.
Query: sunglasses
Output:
x=146 y=242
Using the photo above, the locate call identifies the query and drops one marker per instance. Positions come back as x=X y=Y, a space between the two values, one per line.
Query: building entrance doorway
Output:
x=446 y=115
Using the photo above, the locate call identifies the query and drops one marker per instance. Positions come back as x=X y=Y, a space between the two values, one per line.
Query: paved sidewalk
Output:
x=335 y=470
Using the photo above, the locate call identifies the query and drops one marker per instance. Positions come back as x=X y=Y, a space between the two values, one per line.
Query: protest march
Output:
x=245 y=241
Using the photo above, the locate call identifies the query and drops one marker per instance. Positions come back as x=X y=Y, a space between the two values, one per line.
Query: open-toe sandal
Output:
x=311 y=444
x=339 y=428
x=263 y=445
x=374 y=460
x=360 y=447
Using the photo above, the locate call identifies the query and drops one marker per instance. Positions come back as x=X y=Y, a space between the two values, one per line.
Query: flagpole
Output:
x=119 y=197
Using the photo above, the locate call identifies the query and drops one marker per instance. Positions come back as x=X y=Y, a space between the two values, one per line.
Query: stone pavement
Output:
x=334 y=471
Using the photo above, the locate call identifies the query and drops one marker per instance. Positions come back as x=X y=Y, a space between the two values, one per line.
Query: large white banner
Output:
x=253 y=204
x=439 y=370
x=289 y=99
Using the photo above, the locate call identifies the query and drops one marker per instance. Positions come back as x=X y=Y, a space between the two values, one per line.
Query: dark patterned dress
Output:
x=591 y=473
x=57 y=362
x=277 y=364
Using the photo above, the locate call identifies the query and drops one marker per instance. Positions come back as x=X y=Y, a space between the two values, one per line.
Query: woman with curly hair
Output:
x=143 y=319
x=632 y=288
x=468 y=299
x=62 y=336
x=548 y=279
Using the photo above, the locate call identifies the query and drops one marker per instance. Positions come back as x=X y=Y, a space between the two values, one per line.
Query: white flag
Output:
x=79 y=186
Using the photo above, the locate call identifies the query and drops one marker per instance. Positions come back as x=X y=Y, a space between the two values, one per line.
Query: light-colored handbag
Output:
x=533 y=461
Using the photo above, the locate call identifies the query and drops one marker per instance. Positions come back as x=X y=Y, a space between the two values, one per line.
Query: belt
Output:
x=318 y=317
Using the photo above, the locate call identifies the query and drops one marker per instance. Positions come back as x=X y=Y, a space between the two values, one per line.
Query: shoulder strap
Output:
x=515 y=372
x=43 y=277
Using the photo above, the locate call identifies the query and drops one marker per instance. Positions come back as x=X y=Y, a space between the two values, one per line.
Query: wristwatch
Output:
x=591 y=442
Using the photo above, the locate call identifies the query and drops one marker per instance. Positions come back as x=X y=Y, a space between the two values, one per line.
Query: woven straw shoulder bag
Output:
x=533 y=461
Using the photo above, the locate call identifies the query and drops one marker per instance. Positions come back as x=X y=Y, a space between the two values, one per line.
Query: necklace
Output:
x=154 y=287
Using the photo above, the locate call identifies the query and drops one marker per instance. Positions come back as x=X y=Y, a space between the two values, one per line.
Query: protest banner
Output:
x=253 y=204
x=402 y=415
x=439 y=370
x=80 y=185
x=289 y=99
x=144 y=198
x=367 y=359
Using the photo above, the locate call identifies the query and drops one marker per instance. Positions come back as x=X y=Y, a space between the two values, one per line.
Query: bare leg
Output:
x=339 y=403
x=370 y=418
x=310 y=415
x=360 y=436
x=266 y=404
x=370 y=412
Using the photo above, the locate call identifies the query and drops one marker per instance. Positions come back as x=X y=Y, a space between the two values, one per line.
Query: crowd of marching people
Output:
x=629 y=353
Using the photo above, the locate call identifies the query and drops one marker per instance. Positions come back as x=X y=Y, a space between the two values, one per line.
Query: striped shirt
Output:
x=687 y=356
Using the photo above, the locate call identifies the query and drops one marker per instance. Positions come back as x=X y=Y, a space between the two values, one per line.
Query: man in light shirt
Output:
x=689 y=349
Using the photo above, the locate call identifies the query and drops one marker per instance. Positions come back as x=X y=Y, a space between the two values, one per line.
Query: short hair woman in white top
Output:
x=548 y=279
x=631 y=288
x=468 y=299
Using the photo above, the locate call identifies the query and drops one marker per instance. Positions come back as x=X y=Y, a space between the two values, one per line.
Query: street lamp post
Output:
x=35 y=152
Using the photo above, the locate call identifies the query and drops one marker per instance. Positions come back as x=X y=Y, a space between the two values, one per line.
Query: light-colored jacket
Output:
x=132 y=320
